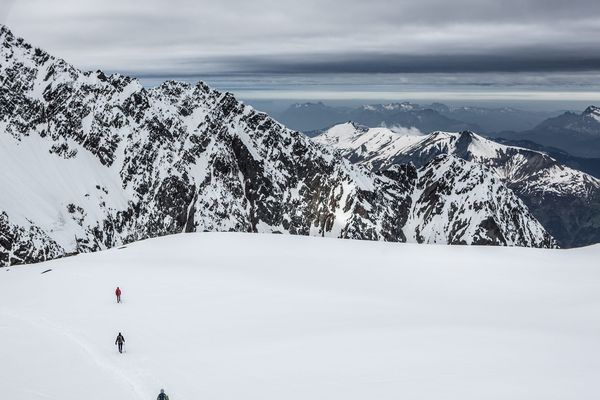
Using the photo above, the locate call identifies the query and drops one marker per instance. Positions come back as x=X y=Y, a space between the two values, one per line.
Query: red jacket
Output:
x=118 y=292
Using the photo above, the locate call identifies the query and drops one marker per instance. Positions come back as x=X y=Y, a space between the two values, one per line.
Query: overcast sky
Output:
x=307 y=36
x=522 y=38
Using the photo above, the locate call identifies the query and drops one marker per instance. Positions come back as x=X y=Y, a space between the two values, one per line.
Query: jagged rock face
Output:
x=564 y=200
x=20 y=245
x=93 y=161
x=464 y=202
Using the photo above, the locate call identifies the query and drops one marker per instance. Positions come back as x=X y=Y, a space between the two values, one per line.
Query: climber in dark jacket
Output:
x=119 y=341
x=162 y=395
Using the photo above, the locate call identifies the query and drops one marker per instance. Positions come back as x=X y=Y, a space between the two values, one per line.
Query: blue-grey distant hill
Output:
x=309 y=117
x=577 y=134
x=313 y=117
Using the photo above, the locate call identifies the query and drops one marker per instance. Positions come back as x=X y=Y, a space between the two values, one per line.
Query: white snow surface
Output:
x=251 y=316
x=38 y=185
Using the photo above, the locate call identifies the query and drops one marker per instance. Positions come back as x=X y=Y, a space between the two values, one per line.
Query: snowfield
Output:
x=250 y=316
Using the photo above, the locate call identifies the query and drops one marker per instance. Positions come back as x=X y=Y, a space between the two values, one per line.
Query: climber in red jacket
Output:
x=118 y=293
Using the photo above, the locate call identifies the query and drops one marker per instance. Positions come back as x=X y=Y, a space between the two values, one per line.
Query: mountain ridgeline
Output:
x=565 y=200
x=92 y=161
x=577 y=134
x=313 y=118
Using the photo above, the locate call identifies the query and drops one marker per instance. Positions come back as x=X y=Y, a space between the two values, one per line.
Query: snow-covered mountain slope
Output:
x=229 y=316
x=590 y=166
x=565 y=200
x=593 y=113
x=92 y=161
x=464 y=202
x=453 y=200
x=537 y=171
x=380 y=148
x=359 y=143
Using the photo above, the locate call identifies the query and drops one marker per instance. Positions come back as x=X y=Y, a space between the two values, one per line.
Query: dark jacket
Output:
x=120 y=339
x=162 y=396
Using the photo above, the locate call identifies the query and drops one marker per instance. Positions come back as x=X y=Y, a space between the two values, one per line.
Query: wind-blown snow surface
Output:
x=251 y=316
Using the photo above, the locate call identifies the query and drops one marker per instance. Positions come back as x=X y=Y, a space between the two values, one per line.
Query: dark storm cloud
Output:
x=314 y=36
x=516 y=61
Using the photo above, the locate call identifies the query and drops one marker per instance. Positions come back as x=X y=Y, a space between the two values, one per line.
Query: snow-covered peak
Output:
x=4 y=32
x=342 y=133
x=351 y=138
x=404 y=106
x=466 y=144
x=465 y=202
x=515 y=164
x=308 y=105
x=350 y=134
x=382 y=146
x=39 y=75
x=592 y=112
x=539 y=180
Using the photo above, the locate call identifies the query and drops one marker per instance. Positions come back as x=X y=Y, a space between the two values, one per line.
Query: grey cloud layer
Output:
x=310 y=36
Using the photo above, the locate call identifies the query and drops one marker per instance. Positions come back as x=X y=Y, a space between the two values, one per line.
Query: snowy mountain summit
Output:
x=563 y=199
x=592 y=112
x=92 y=161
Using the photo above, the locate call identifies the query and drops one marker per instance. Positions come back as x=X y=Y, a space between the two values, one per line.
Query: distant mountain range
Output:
x=314 y=117
x=566 y=201
x=492 y=120
x=578 y=134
